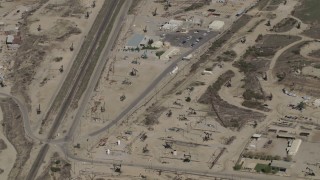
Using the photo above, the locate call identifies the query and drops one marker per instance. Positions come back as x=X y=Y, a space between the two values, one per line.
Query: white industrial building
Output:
x=172 y=25
x=9 y=39
x=216 y=25
x=169 y=53
x=294 y=147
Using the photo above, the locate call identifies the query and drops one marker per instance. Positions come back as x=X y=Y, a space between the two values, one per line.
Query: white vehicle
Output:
x=175 y=70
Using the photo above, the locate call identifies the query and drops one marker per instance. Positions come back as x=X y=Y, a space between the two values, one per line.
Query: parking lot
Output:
x=191 y=39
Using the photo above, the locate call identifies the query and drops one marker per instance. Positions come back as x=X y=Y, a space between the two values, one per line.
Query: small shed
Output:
x=10 y=39
x=285 y=136
x=256 y=136
x=281 y=165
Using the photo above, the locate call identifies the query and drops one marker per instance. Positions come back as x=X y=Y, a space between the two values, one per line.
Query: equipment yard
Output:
x=159 y=89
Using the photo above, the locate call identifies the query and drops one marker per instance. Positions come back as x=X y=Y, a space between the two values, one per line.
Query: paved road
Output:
x=235 y=175
x=108 y=9
x=151 y=87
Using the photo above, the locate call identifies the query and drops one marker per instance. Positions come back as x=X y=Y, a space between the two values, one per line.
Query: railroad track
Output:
x=107 y=12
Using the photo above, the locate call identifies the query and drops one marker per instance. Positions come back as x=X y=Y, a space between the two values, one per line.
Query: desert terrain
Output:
x=156 y=89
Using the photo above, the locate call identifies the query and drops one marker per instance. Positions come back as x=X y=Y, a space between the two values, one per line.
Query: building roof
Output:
x=135 y=40
x=281 y=164
x=10 y=39
x=216 y=25
x=176 y=22
x=169 y=53
x=285 y=135
x=294 y=147
x=256 y=136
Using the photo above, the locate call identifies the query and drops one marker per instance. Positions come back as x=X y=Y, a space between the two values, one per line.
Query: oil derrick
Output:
x=145 y=29
x=122 y=98
x=126 y=81
x=169 y=113
x=192 y=111
x=133 y=72
x=298 y=25
x=61 y=69
x=135 y=61
x=1 y=82
x=186 y=157
x=93 y=5
x=243 y=39
x=38 y=110
x=268 y=23
x=144 y=55
x=39 y=28
x=71 y=47
x=167 y=5
x=154 y=13
x=145 y=149
x=264 y=76
x=228 y=83
x=167 y=145
x=207 y=136
x=87 y=15
x=117 y=168
x=103 y=108
x=182 y=117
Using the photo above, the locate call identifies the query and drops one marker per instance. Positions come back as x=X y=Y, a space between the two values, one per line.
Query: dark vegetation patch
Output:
x=255 y=62
x=287 y=69
x=58 y=168
x=14 y=131
x=268 y=45
x=3 y=145
x=227 y=56
x=308 y=12
x=315 y=54
x=285 y=25
x=66 y=9
x=227 y=115
x=153 y=114
x=262 y=4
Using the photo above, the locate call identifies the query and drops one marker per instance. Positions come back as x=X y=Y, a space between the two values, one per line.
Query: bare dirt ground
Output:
x=233 y=82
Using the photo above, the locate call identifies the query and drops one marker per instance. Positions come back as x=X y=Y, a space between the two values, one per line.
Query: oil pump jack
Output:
x=145 y=29
x=133 y=72
x=71 y=47
x=154 y=13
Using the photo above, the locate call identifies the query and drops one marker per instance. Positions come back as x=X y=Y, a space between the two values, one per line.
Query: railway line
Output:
x=107 y=13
